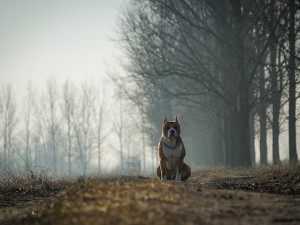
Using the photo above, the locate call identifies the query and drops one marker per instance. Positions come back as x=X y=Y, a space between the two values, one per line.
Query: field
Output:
x=264 y=195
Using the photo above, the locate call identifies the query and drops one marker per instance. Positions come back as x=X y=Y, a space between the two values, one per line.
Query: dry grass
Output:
x=18 y=189
x=269 y=179
x=142 y=200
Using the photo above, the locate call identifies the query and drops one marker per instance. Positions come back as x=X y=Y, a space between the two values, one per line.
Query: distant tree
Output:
x=83 y=120
x=28 y=120
x=50 y=120
x=41 y=131
x=8 y=119
x=99 y=113
x=68 y=108
x=118 y=127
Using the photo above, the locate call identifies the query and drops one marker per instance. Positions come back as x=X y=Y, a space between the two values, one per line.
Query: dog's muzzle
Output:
x=172 y=132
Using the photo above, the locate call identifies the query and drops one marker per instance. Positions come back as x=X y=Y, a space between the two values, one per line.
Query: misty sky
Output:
x=65 y=39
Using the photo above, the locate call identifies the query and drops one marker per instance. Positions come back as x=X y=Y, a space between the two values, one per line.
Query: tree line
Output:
x=59 y=130
x=228 y=69
x=69 y=129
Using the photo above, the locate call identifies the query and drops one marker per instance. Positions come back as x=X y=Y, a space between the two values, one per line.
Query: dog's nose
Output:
x=172 y=131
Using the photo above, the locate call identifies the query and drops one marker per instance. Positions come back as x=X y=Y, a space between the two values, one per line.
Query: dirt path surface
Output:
x=209 y=197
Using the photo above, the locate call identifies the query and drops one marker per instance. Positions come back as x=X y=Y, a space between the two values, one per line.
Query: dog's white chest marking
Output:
x=172 y=154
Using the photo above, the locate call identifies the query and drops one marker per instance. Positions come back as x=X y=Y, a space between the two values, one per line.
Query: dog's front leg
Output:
x=179 y=170
x=162 y=162
x=163 y=167
x=180 y=164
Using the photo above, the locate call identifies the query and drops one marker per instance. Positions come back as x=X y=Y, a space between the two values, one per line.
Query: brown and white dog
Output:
x=172 y=152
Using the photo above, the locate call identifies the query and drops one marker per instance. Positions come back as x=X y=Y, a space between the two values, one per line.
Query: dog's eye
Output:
x=175 y=127
x=167 y=128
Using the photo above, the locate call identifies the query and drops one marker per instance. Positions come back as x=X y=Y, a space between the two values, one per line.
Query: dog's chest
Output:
x=172 y=154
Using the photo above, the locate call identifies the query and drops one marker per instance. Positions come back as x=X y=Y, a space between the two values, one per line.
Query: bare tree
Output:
x=99 y=110
x=8 y=125
x=50 y=119
x=275 y=88
x=118 y=126
x=56 y=131
x=68 y=108
x=41 y=133
x=292 y=84
x=186 y=51
x=28 y=111
x=83 y=119
x=262 y=110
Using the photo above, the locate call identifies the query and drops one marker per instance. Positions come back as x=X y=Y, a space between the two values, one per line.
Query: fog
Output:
x=64 y=41
x=67 y=40
x=85 y=86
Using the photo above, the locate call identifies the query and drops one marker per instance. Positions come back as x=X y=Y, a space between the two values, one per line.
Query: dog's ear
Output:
x=176 y=119
x=165 y=120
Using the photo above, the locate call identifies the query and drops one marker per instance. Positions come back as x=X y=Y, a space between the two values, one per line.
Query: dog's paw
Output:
x=178 y=177
x=164 y=178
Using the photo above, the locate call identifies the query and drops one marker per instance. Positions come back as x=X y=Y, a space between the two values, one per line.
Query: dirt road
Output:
x=208 y=197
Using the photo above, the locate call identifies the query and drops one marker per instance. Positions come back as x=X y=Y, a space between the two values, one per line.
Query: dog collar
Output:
x=172 y=147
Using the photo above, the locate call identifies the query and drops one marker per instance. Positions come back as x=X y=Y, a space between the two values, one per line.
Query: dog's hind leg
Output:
x=158 y=171
x=186 y=172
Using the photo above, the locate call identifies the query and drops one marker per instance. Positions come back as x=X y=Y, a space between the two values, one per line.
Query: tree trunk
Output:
x=153 y=149
x=5 y=147
x=143 y=144
x=252 y=137
x=218 y=153
x=262 y=119
x=53 y=133
x=244 y=158
x=234 y=148
x=121 y=134
x=231 y=145
x=245 y=155
x=293 y=158
x=36 y=155
x=276 y=94
x=69 y=145
x=227 y=143
x=99 y=155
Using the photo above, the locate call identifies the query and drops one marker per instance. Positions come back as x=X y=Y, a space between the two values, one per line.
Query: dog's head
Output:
x=171 y=129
